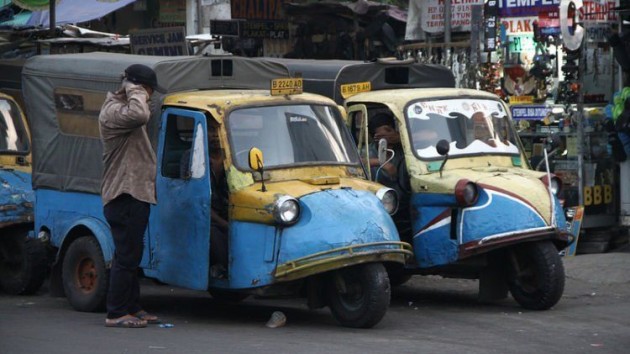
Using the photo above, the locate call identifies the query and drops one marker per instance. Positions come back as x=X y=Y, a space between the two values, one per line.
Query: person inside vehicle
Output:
x=393 y=173
x=219 y=226
x=218 y=203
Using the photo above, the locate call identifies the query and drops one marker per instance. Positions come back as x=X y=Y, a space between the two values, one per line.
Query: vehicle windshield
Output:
x=291 y=135
x=13 y=137
x=471 y=126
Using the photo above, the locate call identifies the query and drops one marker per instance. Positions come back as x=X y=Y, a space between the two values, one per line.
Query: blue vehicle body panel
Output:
x=332 y=215
x=436 y=240
x=253 y=248
x=338 y=218
x=61 y=212
x=16 y=197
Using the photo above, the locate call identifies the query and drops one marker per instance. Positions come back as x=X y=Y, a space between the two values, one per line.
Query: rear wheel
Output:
x=358 y=296
x=24 y=263
x=85 y=277
x=536 y=275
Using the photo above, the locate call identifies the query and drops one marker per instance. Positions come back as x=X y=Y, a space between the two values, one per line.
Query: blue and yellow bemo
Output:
x=303 y=218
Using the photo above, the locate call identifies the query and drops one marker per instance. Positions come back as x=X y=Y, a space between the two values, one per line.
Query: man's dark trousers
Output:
x=128 y=218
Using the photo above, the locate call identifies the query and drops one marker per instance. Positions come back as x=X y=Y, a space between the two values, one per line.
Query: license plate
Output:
x=286 y=86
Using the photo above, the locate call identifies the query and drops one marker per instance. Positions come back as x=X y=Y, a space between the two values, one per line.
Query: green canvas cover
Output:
x=73 y=162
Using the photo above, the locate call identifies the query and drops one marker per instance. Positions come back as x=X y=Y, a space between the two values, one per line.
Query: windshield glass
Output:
x=291 y=135
x=472 y=126
x=13 y=137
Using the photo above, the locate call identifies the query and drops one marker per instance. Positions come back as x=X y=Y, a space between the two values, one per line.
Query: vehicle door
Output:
x=180 y=222
x=357 y=123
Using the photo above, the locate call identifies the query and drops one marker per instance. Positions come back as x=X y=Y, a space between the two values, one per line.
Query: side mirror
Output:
x=256 y=164
x=443 y=147
x=256 y=159
x=382 y=151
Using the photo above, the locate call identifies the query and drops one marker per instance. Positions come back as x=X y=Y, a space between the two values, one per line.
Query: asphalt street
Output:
x=427 y=315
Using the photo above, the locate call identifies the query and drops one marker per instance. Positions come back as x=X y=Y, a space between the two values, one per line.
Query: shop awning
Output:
x=71 y=11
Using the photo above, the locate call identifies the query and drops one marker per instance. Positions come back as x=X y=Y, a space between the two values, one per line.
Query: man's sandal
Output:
x=149 y=318
x=126 y=321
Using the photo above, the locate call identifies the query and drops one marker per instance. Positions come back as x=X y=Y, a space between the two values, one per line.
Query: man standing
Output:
x=128 y=189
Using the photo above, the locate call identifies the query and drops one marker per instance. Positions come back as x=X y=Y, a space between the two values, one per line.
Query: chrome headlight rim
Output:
x=282 y=212
x=389 y=199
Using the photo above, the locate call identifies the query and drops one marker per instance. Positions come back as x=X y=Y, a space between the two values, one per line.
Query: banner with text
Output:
x=433 y=15
x=170 y=41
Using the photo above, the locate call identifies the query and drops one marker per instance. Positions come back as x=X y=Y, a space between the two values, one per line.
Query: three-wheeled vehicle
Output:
x=474 y=207
x=22 y=258
x=303 y=218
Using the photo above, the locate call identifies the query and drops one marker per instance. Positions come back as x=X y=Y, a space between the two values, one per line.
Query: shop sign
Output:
x=169 y=41
x=228 y=28
x=549 y=22
x=518 y=24
x=526 y=8
x=594 y=12
x=490 y=12
x=521 y=99
x=433 y=15
x=530 y=112
x=257 y=9
x=522 y=42
x=265 y=29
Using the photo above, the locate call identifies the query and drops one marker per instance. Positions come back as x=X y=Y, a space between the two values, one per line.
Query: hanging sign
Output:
x=518 y=24
x=521 y=42
x=549 y=22
x=433 y=15
x=530 y=112
x=490 y=11
x=525 y=8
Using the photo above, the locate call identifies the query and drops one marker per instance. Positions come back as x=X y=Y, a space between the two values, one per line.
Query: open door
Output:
x=180 y=222
x=357 y=121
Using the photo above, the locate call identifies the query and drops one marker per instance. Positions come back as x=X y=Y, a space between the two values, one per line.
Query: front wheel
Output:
x=358 y=296
x=85 y=277
x=536 y=275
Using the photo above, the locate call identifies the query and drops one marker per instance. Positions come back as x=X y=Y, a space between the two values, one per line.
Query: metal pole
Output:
x=447 y=22
x=51 y=17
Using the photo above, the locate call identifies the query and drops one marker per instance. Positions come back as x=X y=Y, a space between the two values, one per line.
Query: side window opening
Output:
x=178 y=140
x=13 y=136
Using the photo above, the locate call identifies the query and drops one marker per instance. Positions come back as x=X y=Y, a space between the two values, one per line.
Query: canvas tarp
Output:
x=325 y=77
x=73 y=163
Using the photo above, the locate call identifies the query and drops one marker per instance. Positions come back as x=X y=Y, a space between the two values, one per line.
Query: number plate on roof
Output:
x=348 y=90
x=286 y=86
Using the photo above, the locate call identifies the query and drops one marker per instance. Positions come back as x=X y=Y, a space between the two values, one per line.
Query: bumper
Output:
x=489 y=243
x=321 y=262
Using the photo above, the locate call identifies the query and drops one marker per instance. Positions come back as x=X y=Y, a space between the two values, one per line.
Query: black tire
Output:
x=85 y=277
x=397 y=277
x=227 y=296
x=538 y=283
x=24 y=269
x=359 y=296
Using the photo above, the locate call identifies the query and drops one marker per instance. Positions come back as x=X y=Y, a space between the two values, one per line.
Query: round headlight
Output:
x=286 y=210
x=466 y=192
x=389 y=198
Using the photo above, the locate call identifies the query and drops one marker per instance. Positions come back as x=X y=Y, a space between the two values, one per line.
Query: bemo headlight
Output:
x=286 y=210
x=389 y=198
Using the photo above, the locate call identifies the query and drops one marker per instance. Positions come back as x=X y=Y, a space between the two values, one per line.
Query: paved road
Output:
x=428 y=315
